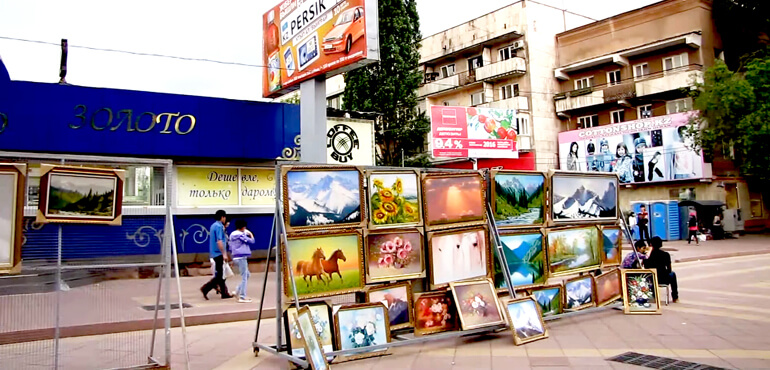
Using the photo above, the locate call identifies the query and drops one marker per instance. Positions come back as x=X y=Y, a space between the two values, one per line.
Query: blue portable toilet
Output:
x=659 y=220
x=672 y=208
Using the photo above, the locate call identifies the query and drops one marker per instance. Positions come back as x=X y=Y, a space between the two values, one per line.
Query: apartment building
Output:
x=504 y=59
x=621 y=78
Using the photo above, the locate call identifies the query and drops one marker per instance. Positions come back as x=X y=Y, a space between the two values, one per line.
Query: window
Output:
x=335 y=102
x=522 y=125
x=477 y=98
x=641 y=70
x=509 y=91
x=507 y=52
x=583 y=83
x=447 y=70
x=644 y=111
x=613 y=78
x=475 y=62
x=588 y=121
x=617 y=116
x=755 y=200
x=678 y=106
x=677 y=61
x=447 y=103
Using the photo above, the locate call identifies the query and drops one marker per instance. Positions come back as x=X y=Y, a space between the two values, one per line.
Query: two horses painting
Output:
x=326 y=264
x=318 y=265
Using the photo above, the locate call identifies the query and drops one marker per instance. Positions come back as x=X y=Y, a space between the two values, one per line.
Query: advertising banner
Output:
x=350 y=141
x=647 y=150
x=458 y=132
x=225 y=186
x=306 y=38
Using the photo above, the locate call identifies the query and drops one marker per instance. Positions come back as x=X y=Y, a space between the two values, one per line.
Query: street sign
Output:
x=458 y=132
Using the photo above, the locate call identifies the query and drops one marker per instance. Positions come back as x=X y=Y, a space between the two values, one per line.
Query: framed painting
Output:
x=640 y=291
x=550 y=299
x=310 y=339
x=321 y=316
x=453 y=200
x=395 y=199
x=322 y=197
x=458 y=255
x=518 y=198
x=13 y=182
x=572 y=250
x=477 y=304
x=394 y=255
x=434 y=312
x=583 y=197
x=80 y=195
x=525 y=258
x=607 y=287
x=611 y=239
x=579 y=293
x=525 y=320
x=360 y=326
x=324 y=264
x=398 y=299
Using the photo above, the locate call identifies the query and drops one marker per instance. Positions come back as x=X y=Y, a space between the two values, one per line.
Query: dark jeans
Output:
x=692 y=234
x=671 y=281
x=644 y=233
x=218 y=279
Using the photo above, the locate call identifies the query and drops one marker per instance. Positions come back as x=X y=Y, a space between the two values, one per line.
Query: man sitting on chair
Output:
x=661 y=261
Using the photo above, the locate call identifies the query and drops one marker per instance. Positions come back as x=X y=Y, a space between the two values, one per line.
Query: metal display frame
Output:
x=278 y=237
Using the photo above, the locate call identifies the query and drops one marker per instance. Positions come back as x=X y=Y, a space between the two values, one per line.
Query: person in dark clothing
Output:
x=692 y=228
x=217 y=252
x=642 y=221
x=661 y=261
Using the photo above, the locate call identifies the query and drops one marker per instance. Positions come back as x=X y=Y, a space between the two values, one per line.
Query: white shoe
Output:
x=245 y=300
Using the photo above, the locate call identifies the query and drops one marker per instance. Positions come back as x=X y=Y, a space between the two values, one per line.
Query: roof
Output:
x=702 y=203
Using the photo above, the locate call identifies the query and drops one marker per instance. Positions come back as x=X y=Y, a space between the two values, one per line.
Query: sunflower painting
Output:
x=394 y=199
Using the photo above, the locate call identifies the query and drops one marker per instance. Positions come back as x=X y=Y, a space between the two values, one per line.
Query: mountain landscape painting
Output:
x=581 y=197
x=323 y=197
x=81 y=196
x=573 y=250
x=518 y=199
x=611 y=246
x=579 y=292
x=525 y=258
x=549 y=299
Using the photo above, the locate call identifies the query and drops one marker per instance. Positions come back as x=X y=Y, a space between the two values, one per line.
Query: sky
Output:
x=225 y=31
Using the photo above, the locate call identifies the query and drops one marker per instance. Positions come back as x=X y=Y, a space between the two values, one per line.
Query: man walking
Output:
x=241 y=251
x=219 y=254
x=644 y=232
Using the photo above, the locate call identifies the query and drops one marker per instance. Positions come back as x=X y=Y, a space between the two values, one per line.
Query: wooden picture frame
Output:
x=613 y=255
x=320 y=310
x=13 y=179
x=527 y=325
x=315 y=355
x=334 y=246
x=607 y=287
x=310 y=181
x=382 y=188
x=350 y=340
x=514 y=240
x=582 y=303
x=477 y=298
x=540 y=295
x=557 y=238
x=382 y=249
x=80 y=195
x=591 y=202
x=502 y=195
x=634 y=307
x=436 y=189
x=463 y=241
x=373 y=294
x=434 y=308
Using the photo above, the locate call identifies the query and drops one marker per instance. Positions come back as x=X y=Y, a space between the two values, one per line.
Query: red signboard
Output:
x=473 y=132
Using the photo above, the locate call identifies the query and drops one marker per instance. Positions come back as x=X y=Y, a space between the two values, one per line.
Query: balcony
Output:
x=517 y=102
x=510 y=67
x=577 y=99
x=674 y=79
x=437 y=86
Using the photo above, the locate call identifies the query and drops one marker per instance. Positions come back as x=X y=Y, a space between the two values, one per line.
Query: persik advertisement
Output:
x=458 y=132
x=647 y=150
x=306 y=38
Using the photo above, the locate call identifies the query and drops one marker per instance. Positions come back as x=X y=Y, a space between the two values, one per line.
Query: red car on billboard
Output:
x=348 y=28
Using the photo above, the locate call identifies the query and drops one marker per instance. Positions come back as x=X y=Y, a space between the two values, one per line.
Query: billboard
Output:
x=307 y=38
x=642 y=151
x=458 y=132
x=350 y=141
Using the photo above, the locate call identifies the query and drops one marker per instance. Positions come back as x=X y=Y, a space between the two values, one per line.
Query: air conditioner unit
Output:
x=518 y=44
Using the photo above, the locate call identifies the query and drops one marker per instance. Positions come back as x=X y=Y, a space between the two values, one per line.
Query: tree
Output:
x=389 y=87
x=734 y=116
x=744 y=26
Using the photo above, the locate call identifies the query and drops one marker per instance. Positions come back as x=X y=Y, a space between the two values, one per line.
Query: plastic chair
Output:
x=668 y=292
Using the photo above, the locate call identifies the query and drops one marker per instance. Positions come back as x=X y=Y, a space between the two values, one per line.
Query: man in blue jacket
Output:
x=240 y=239
x=218 y=253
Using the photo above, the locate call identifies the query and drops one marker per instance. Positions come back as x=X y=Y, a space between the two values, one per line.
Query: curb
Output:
x=718 y=256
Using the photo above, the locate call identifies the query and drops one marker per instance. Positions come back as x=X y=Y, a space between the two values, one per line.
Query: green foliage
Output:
x=293 y=99
x=389 y=87
x=734 y=119
x=744 y=27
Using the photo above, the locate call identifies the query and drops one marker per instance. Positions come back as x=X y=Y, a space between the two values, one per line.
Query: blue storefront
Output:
x=200 y=135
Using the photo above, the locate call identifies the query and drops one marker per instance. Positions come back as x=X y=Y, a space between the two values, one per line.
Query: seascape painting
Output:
x=81 y=196
x=573 y=250
x=395 y=255
x=525 y=320
x=458 y=255
x=322 y=198
x=394 y=199
x=324 y=265
x=550 y=299
x=584 y=197
x=518 y=199
x=454 y=199
x=525 y=258
x=611 y=238
x=579 y=292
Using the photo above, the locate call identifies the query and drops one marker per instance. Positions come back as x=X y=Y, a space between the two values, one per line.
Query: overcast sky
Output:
x=227 y=31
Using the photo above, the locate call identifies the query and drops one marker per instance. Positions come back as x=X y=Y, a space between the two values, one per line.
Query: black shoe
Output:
x=204 y=294
x=227 y=296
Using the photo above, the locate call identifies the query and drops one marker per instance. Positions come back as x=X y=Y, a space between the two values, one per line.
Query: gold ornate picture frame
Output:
x=394 y=254
x=452 y=200
x=477 y=304
x=573 y=249
x=638 y=285
x=550 y=298
x=459 y=254
x=510 y=190
x=612 y=254
x=607 y=287
x=397 y=298
x=580 y=197
x=434 y=312
x=579 y=293
x=13 y=178
x=394 y=199
x=350 y=334
x=80 y=195
x=525 y=320
x=525 y=252
x=314 y=353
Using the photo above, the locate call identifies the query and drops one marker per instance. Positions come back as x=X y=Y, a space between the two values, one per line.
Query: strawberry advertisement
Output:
x=459 y=132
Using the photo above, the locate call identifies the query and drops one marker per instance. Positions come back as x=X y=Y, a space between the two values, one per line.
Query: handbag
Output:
x=227 y=270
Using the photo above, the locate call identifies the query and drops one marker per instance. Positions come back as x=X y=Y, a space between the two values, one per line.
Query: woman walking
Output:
x=692 y=226
x=240 y=239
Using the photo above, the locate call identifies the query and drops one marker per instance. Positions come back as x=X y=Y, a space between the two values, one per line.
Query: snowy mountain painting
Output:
x=579 y=293
x=327 y=197
x=518 y=199
x=578 y=197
